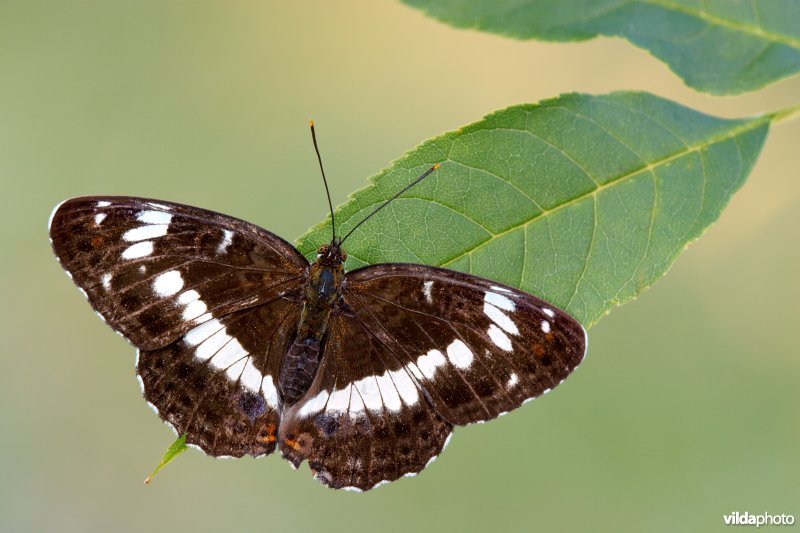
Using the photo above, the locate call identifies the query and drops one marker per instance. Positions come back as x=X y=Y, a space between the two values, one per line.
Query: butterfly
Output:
x=246 y=347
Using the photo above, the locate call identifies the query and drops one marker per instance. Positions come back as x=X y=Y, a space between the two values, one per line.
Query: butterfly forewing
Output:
x=477 y=348
x=154 y=270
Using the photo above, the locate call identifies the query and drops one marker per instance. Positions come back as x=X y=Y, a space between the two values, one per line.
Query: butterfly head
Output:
x=331 y=254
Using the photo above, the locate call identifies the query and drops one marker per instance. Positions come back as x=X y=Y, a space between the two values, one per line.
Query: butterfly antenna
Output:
x=398 y=193
x=324 y=180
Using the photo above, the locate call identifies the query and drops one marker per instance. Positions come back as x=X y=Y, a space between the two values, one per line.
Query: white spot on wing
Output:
x=459 y=354
x=202 y=332
x=234 y=372
x=314 y=405
x=203 y=318
x=106 y=279
x=195 y=307
x=227 y=239
x=500 y=339
x=498 y=300
x=99 y=218
x=497 y=288
x=269 y=391
x=545 y=326
x=405 y=386
x=140 y=249
x=212 y=345
x=428 y=363
x=415 y=371
x=188 y=297
x=195 y=310
x=500 y=318
x=513 y=380
x=154 y=217
x=356 y=403
x=168 y=283
x=370 y=393
x=427 y=289
x=145 y=232
x=339 y=400
x=229 y=355
x=548 y=312
x=391 y=399
x=103 y=203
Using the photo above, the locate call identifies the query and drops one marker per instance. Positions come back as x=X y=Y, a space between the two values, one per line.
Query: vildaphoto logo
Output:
x=764 y=519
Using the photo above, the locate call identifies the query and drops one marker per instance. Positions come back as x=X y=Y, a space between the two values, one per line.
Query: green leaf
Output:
x=582 y=200
x=174 y=450
x=716 y=46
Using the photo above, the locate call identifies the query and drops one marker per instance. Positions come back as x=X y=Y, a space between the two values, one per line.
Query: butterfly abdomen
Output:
x=299 y=368
x=322 y=291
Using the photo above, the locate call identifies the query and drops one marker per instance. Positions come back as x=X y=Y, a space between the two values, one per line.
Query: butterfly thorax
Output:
x=322 y=291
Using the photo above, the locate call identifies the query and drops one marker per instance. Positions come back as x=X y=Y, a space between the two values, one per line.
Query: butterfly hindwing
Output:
x=154 y=270
x=218 y=382
x=364 y=421
x=478 y=349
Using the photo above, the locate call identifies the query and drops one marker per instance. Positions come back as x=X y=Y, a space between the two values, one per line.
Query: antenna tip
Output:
x=436 y=166
x=311 y=123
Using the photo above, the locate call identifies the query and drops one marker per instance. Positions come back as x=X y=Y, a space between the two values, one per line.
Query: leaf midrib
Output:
x=757 y=31
x=649 y=167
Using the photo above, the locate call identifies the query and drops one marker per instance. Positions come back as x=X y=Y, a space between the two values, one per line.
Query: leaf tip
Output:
x=174 y=450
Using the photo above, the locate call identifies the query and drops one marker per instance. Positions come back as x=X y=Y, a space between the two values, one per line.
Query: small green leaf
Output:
x=174 y=450
x=582 y=200
x=716 y=46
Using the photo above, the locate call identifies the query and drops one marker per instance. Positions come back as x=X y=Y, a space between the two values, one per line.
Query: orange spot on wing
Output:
x=293 y=444
x=267 y=434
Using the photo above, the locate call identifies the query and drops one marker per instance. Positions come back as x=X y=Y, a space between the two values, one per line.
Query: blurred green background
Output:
x=686 y=408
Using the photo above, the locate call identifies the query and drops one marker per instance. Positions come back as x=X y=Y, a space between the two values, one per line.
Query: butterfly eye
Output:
x=344 y=255
x=322 y=250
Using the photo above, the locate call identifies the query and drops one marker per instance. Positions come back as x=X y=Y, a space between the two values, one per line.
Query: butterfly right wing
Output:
x=153 y=269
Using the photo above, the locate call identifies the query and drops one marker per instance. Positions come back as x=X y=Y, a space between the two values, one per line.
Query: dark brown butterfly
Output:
x=244 y=346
